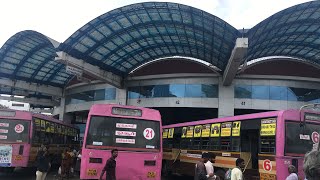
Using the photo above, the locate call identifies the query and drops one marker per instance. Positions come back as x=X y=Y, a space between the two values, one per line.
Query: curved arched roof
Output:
x=127 y=37
x=29 y=55
x=293 y=32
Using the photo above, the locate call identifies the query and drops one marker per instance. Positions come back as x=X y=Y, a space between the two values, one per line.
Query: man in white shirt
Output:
x=236 y=173
x=209 y=166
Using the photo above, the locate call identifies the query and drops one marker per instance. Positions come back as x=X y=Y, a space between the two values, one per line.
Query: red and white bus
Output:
x=134 y=131
x=268 y=142
x=22 y=133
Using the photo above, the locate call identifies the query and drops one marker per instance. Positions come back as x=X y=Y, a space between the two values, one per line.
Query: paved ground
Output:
x=29 y=174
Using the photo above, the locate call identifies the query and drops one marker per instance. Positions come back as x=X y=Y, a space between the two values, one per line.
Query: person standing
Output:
x=110 y=167
x=43 y=164
x=292 y=173
x=236 y=173
x=200 y=169
x=209 y=166
x=311 y=165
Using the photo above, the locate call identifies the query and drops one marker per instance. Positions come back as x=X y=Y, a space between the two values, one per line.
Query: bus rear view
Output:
x=134 y=131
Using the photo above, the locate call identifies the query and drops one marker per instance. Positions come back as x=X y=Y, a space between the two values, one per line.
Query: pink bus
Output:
x=268 y=142
x=22 y=133
x=134 y=131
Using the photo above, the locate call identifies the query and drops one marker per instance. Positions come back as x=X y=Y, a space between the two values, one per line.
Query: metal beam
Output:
x=90 y=69
x=35 y=101
x=44 y=89
x=41 y=110
x=237 y=55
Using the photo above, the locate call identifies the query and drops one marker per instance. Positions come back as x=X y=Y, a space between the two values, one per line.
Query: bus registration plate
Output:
x=151 y=174
x=92 y=172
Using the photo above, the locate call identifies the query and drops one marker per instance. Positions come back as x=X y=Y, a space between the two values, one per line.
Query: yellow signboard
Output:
x=170 y=134
x=226 y=129
x=236 y=128
x=197 y=131
x=184 y=132
x=268 y=127
x=165 y=133
x=190 y=131
x=43 y=125
x=37 y=124
x=205 y=130
x=48 y=127
x=215 y=130
x=52 y=128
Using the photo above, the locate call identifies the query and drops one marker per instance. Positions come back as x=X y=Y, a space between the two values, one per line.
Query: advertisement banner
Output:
x=205 y=130
x=171 y=131
x=226 y=129
x=184 y=132
x=5 y=155
x=268 y=127
x=165 y=134
x=190 y=132
x=236 y=128
x=215 y=130
x=197 y=131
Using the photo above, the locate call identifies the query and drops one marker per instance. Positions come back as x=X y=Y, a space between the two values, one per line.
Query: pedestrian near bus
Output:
x=209 y=166
x=292 y=173
x=236 y=173
x=43 y=164
x=110 y=167
x=200 y=169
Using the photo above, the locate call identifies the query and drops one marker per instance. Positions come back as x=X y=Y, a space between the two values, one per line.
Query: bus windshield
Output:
x=132 y=134
x=13 y=131
x=300 y=140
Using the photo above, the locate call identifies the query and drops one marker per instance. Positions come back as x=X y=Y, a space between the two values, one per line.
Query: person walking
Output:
x=110 y=167
x=209 y=166
x=200 y=169
x=236 y=173
x=292 y=173
x=43 y=164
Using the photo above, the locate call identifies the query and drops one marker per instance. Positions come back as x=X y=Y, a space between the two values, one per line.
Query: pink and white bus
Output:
x=268 y=142
x=134 y=131
x=22 y=133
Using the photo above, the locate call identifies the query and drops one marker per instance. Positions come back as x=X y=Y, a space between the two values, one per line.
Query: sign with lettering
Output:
x=125 y=141
x=226 y=129
x=184 y=132
x=268 y=127
x=190 y=131
x=170 y=134
x=236 y=128
x=165 y=133
x=205 y=130
x=215 y=130
x=127 y=126
x=126 y=133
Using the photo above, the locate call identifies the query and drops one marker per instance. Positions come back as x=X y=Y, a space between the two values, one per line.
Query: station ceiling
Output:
x=125 y=38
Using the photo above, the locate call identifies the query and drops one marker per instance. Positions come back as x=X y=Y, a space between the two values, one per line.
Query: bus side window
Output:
x=235 y=146
x=184 y=143
x=177 y=137
x=214 y=143
x=205 y=143
x=196 y=143
x=267 y=144
x=226 y=143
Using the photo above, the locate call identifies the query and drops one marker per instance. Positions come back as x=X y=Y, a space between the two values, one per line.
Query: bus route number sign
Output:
x=267 y=165
x=148 y=133
x=19 y=128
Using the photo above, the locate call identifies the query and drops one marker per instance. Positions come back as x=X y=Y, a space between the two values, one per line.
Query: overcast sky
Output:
x=59 y=19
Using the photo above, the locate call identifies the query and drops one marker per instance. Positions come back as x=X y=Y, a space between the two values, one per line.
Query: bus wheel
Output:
x=220 y=173
x=165 y=171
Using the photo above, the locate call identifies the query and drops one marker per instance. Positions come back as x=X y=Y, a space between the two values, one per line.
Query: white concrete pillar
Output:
x=121 y=96
x=226 y=100
x=62 y=108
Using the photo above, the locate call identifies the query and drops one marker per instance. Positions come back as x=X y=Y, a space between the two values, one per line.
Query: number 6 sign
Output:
x=267 y=165
x=148 y=133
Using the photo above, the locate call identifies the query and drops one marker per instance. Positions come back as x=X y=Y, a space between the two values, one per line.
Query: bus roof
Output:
x=230 y=118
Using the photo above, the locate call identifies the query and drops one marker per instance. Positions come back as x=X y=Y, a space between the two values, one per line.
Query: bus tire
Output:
x=220 y=172
x=165 y=170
